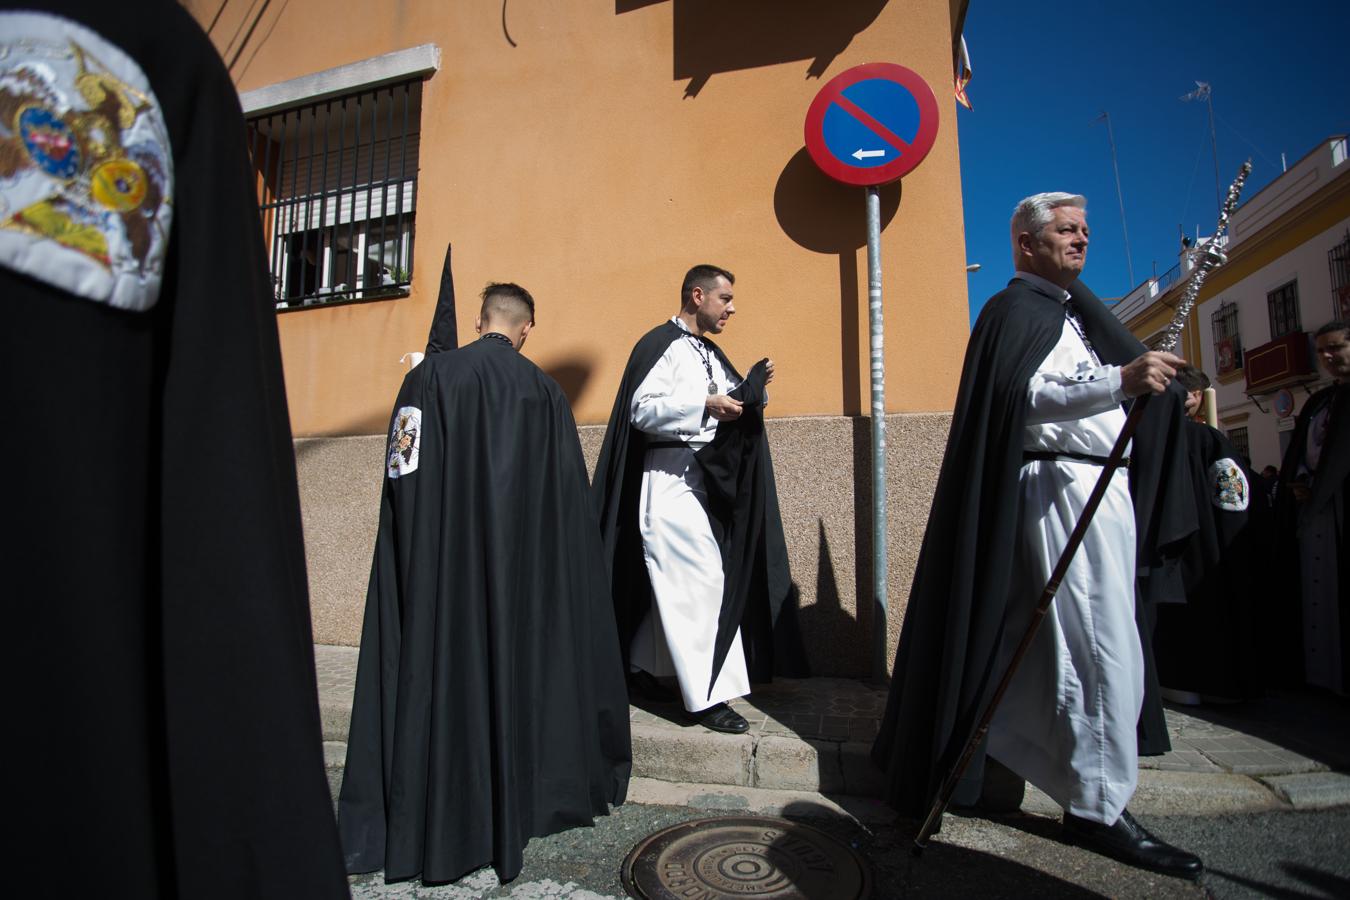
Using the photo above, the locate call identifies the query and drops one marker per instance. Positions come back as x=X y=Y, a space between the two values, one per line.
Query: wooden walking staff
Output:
x=1210 y=256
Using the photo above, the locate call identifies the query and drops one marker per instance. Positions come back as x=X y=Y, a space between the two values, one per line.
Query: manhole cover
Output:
x=744 y=856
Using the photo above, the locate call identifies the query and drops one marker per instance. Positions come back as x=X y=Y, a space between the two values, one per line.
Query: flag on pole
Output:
x=963 y=73
x=1201 y=92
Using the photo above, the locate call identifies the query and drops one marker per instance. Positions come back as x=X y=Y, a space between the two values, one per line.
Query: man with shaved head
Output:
x=508 y=311
x=490 y=704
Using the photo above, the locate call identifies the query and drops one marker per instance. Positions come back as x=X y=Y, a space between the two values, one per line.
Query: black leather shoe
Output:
x=1129 y=842
x=645 y=685
x=720 y=718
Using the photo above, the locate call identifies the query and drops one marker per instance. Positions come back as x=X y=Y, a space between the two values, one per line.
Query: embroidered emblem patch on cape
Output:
x=1231 y=491
x=405 y=441
x=86 y=171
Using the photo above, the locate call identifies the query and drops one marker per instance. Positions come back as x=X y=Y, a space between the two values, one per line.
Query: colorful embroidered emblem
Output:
x=86 y=170
x=1231 y=491
x=405 y=442
x=49 y=141
x=118 y=184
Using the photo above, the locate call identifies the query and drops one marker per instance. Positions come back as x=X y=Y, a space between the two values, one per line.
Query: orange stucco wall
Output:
x=613 y=146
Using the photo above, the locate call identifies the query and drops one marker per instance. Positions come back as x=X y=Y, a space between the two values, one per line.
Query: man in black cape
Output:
x=1312 y=510
x=490 y=704
x=165 y=737
x=1210 y=647
x=1036 y=412
x=685 y=492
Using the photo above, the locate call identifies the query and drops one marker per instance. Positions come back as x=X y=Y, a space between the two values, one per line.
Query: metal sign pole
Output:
x=876 y=331
x=862 y=129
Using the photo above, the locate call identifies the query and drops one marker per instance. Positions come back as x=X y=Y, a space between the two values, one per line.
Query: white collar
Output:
x=1044 y=284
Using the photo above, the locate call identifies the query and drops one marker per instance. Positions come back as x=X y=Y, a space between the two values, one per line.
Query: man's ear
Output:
x=697 y=296
x=478 y=325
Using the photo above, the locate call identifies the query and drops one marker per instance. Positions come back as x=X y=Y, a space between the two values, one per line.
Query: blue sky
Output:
x=1044 y=71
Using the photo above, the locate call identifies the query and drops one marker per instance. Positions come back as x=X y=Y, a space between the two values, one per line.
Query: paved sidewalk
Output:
x=1287 y=749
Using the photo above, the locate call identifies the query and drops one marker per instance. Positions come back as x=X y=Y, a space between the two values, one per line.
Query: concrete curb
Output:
x=777 y=769
x=813 y=737
x=1313 y=790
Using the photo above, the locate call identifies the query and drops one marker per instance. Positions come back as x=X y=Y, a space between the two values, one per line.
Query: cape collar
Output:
x=1043 y=285
x=684 y=329
x=495 y=337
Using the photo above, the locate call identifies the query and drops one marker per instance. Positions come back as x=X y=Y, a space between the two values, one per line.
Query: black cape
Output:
x=1212 y=643
x=758 y=594
x=959 y=605
x=1330 y=489
x=490 y=702
x=162 y=677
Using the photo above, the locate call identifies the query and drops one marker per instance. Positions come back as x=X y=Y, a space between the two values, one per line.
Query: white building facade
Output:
x=1288 y=273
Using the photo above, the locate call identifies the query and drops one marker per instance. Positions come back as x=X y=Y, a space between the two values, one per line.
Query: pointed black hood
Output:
x=444 y=332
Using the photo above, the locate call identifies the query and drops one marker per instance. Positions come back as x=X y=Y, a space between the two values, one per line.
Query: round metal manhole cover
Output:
x=744 y=856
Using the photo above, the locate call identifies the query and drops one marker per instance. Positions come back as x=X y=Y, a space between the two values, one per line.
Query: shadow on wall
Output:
x=832 y=629
x=239 y=28
x=714 y=36
x=825 y=216
x=572 y=376
x=871 y=618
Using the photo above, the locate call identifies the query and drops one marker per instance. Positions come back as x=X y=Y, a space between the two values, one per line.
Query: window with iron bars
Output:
x=1224 y=321
x=1238 y=438
x=337 y=187
x=1283 y=305
x=1338 y=258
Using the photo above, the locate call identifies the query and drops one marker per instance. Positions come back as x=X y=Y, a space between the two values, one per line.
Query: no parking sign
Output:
x=872 y=124
x=867 y=127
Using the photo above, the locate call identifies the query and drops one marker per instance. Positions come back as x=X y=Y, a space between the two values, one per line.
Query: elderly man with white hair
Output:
x=1038 y=411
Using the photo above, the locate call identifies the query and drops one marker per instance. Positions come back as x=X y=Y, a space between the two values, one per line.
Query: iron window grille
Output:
x=1338 y=259
x=1224 y=322
x=337 y=189
x=1238 y=438
x=1283 y=305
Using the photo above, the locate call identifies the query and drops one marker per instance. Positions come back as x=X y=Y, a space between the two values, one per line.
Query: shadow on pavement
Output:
x=944 y=869
x=1313 y=723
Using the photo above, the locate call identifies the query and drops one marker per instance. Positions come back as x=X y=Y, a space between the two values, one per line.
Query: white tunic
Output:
x=1068 y=721
x=683 y=559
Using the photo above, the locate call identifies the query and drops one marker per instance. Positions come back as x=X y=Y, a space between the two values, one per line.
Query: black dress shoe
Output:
x=720 y=718
x=1129 y=842
x=645 y=685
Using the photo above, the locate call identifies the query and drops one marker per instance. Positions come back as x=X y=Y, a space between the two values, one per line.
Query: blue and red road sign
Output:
x=872 y=124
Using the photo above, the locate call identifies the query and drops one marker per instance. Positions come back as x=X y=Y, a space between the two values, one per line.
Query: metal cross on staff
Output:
x=1209 y=255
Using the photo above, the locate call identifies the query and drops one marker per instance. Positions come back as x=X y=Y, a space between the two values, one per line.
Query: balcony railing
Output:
x=1284 y=361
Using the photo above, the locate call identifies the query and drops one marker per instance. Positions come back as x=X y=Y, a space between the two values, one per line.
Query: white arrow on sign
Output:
x=860 y=153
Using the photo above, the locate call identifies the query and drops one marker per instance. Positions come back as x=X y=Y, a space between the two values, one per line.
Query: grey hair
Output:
x=1036 y=212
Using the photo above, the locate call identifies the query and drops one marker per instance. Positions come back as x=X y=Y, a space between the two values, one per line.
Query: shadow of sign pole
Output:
x=868 y=126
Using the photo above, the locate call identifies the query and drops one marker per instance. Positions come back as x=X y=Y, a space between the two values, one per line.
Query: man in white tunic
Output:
x=1067 y=723
x=680 y=612
x=1037 y=413
x=678 y=406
